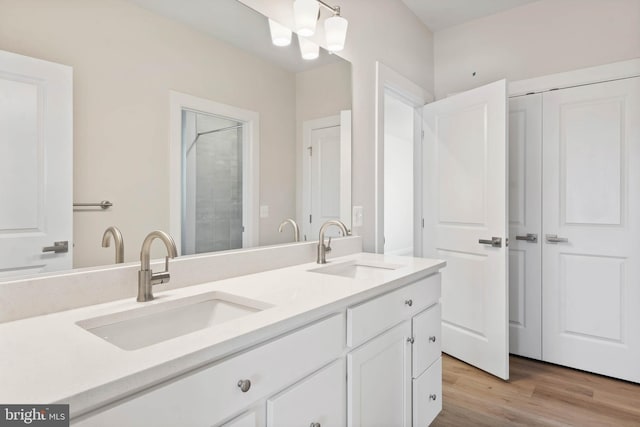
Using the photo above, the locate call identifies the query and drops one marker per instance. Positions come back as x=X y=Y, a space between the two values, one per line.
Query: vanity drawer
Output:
x=426 y=335
x=212 y=394
x=366 y=320
x=427 y=395
x=320 y=399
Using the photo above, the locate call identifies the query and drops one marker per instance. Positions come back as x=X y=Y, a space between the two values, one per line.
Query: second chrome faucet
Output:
x=322 y=248
x=146 y=277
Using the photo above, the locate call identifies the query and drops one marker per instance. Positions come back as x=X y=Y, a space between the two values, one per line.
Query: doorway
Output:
x=398 y=175
x=398 y=166
x=212 y=182
x=214 y=175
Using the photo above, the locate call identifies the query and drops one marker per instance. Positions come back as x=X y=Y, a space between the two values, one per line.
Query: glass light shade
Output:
x=308 y=49
x=305 y=14
x=280 y=35
x=335 y=29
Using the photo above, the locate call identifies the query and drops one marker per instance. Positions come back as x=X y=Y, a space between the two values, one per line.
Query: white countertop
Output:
x=50 y=359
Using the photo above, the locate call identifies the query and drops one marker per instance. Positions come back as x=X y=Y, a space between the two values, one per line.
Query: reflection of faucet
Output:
x=322 y=249
x=118 y=241
x=146 y=277
x=296 y=229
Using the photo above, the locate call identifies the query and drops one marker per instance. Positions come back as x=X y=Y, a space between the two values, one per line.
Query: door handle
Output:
x=530 y=237
x=553 y=238
x=495 y=242
x=58 y=247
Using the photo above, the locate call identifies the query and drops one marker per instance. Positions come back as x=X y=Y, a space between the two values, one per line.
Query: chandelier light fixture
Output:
x=306 y=15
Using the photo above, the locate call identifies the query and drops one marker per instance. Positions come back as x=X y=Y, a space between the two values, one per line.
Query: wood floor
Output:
x=538 y=394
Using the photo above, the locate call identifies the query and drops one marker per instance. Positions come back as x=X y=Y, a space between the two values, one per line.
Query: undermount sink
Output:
x=356 y=269
x=145 y=326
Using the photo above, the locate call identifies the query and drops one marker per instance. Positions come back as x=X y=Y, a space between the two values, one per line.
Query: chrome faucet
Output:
x=294 y=225
x=146 y=277
x=118 y=241
x=322 y=248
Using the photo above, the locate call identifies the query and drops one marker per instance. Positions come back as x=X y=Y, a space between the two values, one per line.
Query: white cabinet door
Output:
x=525 y=225
x=591 y=203
x=379 y=380
x=318 y=400
x=36 y=170
x=427 y=395
x=465 y=207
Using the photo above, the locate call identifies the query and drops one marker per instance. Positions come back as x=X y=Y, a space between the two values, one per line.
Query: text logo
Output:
x=34 y=415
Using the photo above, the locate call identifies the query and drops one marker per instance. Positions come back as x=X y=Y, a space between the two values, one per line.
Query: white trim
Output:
x=251 y=162
x=584 y=76
x=388 y=79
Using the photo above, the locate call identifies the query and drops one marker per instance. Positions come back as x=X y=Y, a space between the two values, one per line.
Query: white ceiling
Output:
x=441 y=14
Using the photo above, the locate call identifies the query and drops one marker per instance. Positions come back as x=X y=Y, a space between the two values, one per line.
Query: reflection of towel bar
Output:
x=105 y=204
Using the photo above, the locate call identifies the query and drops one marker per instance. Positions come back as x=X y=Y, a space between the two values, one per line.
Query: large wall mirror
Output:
x=156 y=88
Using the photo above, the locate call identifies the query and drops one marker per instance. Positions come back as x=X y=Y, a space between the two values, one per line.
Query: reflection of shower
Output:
x=212 y=182
x=199 y=134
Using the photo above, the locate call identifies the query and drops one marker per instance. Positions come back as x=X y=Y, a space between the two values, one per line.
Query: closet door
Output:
x=525 y=225
x=591 y=217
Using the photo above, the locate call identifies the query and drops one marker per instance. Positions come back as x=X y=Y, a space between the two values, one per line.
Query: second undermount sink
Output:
x=145 y=326
x=356 y=269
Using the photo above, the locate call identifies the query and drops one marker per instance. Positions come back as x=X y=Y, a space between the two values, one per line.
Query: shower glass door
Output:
x=212 y=182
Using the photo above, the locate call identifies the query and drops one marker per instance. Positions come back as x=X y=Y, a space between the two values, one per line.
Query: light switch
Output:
x=357 y=216
x=264 y=211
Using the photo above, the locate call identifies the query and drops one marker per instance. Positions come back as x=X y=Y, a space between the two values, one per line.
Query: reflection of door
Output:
x=325 y=177
x=465 y=170
x=325 y=197
x=591 y=200
x=36 y=145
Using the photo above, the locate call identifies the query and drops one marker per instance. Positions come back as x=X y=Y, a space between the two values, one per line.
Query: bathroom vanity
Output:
x=353 y=342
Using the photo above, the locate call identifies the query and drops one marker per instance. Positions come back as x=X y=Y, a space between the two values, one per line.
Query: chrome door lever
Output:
x=553 y=238
x=58 y=247
x=495 y=242
x=530 y=237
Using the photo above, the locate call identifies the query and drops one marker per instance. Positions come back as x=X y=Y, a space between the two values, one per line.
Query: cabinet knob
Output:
x=433 y=397
x=411 y=340
x=409 y=302
x=315 y=425
x=244 y=385
x=432 y=338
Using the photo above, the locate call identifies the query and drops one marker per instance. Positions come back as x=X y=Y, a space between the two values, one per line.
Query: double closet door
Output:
x=574 y=208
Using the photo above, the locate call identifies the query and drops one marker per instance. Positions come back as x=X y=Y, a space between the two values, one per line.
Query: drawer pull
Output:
x=315 y=425
x=433 y=397
x=432 y=338
x=411 y=340
x=409 y=302
x=244 y=385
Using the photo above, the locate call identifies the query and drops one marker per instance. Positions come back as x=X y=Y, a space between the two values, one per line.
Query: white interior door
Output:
x=36 y=125
x=465 y=202
x=591 y=220
x=525 y=225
